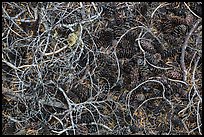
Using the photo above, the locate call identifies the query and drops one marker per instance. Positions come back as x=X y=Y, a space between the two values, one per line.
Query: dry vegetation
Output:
x=101 y=68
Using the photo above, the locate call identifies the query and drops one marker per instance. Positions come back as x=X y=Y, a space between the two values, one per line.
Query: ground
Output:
x=102 y=68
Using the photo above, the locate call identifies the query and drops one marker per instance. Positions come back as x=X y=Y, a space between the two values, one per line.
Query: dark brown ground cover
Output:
x=102 y=68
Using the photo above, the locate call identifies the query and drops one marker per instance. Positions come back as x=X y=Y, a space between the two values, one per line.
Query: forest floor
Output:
x=103 y=68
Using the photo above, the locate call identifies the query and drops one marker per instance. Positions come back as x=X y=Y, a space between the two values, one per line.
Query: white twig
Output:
x=161 y=5
x=182 y=62
x=191 y=11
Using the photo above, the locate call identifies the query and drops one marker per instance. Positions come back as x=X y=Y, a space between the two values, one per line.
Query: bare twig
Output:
x=183 y=51
x=191 y=10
